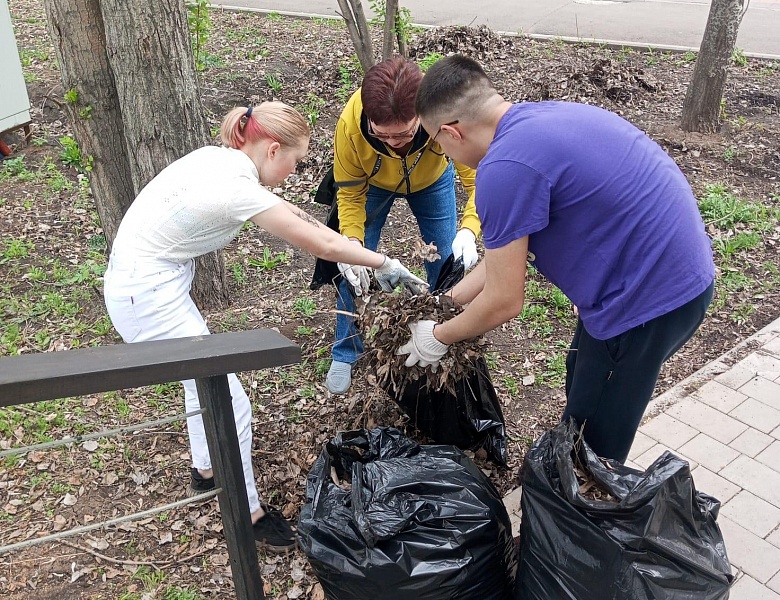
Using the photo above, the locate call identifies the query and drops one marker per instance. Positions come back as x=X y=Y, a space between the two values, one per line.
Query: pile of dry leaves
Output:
x=384 y=320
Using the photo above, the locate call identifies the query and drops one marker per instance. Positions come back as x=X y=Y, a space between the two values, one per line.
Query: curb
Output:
x=533 y=36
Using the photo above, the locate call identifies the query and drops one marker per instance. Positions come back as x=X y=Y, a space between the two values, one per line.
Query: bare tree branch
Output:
x=391 y=12
x=353 y=15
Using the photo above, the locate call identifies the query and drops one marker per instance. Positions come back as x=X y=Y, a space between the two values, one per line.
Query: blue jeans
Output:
x=436 y=214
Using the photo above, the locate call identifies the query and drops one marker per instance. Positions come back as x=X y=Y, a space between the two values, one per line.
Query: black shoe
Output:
x=199 y=484
x=273 y=532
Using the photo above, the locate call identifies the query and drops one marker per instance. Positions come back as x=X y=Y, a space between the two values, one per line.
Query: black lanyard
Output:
x=407 y=175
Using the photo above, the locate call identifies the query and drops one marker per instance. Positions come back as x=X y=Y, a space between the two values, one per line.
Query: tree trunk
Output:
x=355 y=18
x=701 y=109
x=76 y=30
x=403 y=47
x=149 y=50
x=391 y=12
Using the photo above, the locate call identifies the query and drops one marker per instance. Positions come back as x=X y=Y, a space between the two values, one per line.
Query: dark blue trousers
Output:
x=609 y=383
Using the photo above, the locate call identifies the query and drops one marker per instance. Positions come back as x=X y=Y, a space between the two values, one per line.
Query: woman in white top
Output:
x=198 y=204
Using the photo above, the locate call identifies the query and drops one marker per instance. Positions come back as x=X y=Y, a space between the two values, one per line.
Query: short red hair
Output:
x=389 y=89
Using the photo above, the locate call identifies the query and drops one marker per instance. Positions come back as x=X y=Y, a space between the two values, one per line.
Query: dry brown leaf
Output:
x=59 y=523
x=317 y=592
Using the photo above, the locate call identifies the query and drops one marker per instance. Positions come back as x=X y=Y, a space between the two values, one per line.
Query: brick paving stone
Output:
x=757 y=414
x=774 y=584
x=751 y=442
x=773 y=347
x=707 y=420
x=512 y=500
x=713 y=484
x=651 y=455
x=709 y=452
x=751 y=475
x=514 y=522
x=771 y=456
x=735 y=377
x=756 y=557
x=774 y=537
x=668 y=430
x=763 y=365
x=763 y=390
x=642 y=443
x=776 y=433
x=747 y=588
x=719 y=396
x=512 y=504
x=752 y=513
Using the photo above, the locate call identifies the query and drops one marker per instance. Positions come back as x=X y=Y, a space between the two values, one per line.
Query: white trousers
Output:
x=150 y=300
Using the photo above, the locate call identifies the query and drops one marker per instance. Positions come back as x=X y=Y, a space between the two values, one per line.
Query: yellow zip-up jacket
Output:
x=360 y=160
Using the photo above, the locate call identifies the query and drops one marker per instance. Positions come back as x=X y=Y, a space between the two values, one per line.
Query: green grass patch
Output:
x=268 y=261
x=305 y=307
x=724 y=210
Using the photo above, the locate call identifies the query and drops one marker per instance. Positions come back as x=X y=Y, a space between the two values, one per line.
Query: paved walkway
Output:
x=725 y=421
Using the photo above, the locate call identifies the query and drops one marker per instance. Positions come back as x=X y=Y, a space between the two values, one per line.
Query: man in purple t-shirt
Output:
x=602 y=212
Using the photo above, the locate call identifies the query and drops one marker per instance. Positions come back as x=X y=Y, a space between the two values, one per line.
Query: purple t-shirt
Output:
x=611 y=218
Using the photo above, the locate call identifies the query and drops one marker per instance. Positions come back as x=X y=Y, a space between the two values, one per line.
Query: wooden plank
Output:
x=219 y=423
x=51 y=375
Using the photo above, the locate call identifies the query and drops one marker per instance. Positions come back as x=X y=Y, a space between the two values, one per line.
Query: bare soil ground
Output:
x=52 y=255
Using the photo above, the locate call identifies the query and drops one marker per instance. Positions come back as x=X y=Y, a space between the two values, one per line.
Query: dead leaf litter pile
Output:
x=384 y=320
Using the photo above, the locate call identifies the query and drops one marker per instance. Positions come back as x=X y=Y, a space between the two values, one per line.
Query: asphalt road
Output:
x=656 y=23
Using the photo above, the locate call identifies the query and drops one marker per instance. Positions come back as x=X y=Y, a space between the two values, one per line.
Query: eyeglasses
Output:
x=455 y=122
x=403 y=135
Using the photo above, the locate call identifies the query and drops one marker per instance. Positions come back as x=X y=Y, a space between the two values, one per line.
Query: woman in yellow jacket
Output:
x=381 y=152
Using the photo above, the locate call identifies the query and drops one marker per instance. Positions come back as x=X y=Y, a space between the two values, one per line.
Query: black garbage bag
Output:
x=471 y=418
x=327 y=272
x=404 y=522
x=657 y=540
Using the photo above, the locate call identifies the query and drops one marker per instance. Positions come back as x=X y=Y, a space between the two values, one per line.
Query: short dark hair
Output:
x=447 y=83
x=388 y=91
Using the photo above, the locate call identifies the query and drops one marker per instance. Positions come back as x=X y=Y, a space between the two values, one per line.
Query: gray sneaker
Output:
x=339 y=377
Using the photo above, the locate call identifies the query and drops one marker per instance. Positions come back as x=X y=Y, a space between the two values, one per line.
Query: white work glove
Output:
x=357 y=276
x=465 y=245
x=423 y=348
x=392 y=272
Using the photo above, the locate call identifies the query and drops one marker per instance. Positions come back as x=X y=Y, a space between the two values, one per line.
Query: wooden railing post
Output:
x=225 y=452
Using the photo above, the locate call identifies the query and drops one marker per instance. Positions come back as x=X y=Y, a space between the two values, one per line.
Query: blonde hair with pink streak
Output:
x=275 y=120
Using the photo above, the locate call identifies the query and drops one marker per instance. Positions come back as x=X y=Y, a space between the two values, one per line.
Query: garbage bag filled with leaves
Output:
x=455 y=405
x=594 y=528
x=388 y=519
